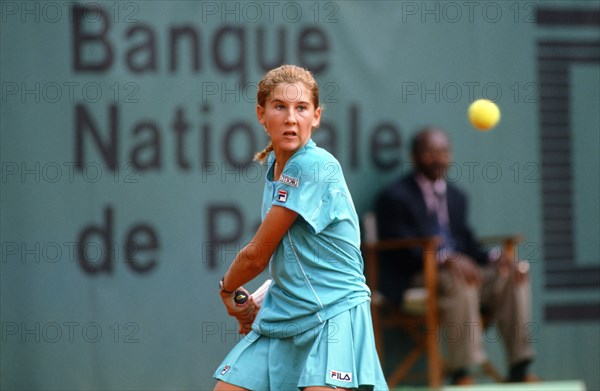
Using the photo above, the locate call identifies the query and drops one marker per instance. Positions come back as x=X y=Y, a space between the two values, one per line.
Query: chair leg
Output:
x=491 y=371
x=434 y=360
x=408 y=362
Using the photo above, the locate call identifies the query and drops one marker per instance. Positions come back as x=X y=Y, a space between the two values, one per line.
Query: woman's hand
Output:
x=244 y=313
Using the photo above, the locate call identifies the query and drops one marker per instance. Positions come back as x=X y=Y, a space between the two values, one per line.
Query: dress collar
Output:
x=310 y=144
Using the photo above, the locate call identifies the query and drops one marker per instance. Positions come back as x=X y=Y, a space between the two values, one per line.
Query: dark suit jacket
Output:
x=402 y=212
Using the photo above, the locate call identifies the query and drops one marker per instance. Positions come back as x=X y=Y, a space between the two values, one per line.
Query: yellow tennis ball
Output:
x=484 y=114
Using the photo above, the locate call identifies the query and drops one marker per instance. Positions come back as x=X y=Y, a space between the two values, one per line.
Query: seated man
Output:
x=469 y=279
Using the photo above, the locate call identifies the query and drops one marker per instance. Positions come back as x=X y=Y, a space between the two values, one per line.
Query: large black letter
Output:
x=326 y=137
x=312 y=40
x=79 y=38
x=180 y=128
x=192 y=33
x=238 y=64
x=105 y=232
x=152 y=145
x=108 y=149
x=279 y=57
x=229 y=145
x=218 y=240
x=386 y=138
x=148 y=46
x=132 y=248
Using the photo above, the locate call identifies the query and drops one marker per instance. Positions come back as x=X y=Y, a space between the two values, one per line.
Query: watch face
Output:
x=221 y=286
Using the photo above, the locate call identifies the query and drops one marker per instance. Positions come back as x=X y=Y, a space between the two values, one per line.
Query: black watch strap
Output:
x=222 y=286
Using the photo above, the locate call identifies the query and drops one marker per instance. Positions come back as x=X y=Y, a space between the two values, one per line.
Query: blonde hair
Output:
x=283 y=74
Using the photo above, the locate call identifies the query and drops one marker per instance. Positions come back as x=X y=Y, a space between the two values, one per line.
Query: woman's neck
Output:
x=281 y=158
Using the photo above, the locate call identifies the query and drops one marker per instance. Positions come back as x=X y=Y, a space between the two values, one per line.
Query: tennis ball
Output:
x=484 y=114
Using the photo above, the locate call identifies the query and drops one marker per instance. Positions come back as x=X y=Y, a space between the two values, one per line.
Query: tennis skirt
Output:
x=338 y=353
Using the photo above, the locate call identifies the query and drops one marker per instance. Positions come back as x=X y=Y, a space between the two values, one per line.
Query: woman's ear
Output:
x=317 y=119
x=260 y=113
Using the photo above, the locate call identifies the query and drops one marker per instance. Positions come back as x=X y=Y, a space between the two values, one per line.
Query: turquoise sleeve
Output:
x=310 y=187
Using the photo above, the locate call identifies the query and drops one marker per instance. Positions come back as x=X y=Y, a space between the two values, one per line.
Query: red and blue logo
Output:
x=282 y=196
x=341 y=376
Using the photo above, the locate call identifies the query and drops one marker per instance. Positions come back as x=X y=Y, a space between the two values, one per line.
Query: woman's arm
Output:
x=255 y=256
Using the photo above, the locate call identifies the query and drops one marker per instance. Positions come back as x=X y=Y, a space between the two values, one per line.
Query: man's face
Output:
x=433 y=156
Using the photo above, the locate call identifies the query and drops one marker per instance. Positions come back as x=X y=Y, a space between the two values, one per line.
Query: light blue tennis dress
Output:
x=314 y=327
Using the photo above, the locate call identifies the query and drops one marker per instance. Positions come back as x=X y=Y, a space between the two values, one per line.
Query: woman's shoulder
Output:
x=314 y=164
x=311 y=153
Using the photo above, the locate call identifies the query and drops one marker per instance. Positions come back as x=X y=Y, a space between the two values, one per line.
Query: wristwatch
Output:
x=222 y=288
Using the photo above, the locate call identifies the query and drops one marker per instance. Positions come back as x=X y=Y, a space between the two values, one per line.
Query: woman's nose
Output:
x=291 y=116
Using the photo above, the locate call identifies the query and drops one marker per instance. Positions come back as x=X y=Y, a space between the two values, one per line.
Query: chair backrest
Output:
x=381 y=319
x=370 y=227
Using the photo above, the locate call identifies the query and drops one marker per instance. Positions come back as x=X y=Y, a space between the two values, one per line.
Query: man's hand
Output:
x=462 y=265
x=508 y=266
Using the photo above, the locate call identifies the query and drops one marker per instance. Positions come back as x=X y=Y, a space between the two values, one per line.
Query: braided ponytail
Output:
x=261 y=156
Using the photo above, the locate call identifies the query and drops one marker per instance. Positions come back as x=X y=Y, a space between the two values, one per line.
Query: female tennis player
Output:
x=314 y=328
